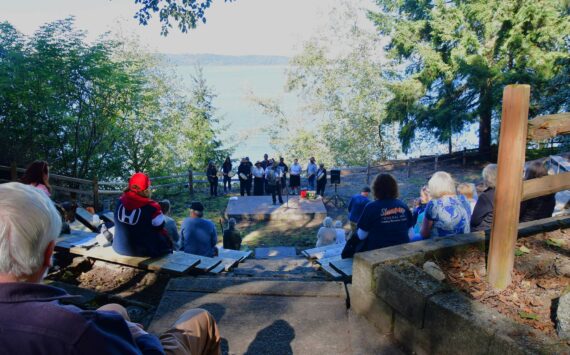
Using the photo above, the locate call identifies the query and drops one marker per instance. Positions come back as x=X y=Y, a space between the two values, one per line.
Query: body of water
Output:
x=233 y=86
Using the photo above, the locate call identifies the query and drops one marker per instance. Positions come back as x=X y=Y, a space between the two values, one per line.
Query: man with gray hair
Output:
x=482 y=216
x=33 y=320
x=198 y=234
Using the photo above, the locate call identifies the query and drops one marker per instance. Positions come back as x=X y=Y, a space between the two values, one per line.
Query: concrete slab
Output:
x=282 y=268
x=265 y=324
x=261 y=208
x=275 y=252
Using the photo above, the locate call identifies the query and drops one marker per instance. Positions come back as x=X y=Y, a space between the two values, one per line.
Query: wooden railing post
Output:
x=13 y=171
x=464 y=157
x=95 y=193
x=409 y=164
x=368 y=174
x=509 y=185
x=190 y=181
x=435 y=162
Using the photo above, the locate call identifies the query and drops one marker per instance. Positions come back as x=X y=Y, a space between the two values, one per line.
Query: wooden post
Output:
x=368 y=174
x=509 y=186
x=435 y=162
x=190 y=181
x=13 y=171
x=464 y=156
x=95 y=193
x=409 y=164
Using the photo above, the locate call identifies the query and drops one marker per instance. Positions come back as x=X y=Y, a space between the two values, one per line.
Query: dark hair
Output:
x=535 y=170
x=365 y=189
x=384 y=187
x=35 y=174
x=164 y=206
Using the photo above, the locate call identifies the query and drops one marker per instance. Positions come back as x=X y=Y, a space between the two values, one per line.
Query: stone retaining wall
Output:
x=429 y=317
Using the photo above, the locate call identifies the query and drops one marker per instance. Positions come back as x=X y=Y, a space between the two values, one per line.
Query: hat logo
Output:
x=129 y=218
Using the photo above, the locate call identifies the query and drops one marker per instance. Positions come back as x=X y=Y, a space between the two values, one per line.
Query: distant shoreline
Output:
x=218 y=59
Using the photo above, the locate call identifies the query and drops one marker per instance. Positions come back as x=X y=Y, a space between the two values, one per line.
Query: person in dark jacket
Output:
x=34 y=318
x=356 y=206
x=212 y=174
x=482 y=216
x=232 y=238
x=244 y=174
x=226 y=170
x=139 y=222
x=321 y=179
x=538 y=207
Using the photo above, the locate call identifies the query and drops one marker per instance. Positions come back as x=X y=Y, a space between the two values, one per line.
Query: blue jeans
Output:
x=312 y=182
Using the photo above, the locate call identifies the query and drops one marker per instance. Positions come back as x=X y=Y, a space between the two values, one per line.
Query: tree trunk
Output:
x=485 y=115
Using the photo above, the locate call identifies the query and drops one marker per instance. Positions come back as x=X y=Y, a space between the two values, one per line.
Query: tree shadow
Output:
x=274 y=339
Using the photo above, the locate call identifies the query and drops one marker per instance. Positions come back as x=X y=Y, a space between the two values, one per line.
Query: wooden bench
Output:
x=83 y=216
x=342 y=267
x=324 y=252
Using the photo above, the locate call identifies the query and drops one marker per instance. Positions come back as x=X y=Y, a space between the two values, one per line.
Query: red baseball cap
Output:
x=139 y=182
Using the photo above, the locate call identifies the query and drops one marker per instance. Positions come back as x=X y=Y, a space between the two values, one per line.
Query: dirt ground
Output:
x=540 y=277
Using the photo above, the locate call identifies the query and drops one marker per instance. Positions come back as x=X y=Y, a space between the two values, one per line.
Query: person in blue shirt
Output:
x=199 y=235
x=356 y=206
x=385 y=221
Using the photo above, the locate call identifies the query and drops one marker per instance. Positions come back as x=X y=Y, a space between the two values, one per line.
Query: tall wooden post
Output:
x=508 y=193
x=435 y=162
x=96 y=193
x=368 y=174
x=409 y=164
x=13 y=171
x=464 y=156
x=190 y=181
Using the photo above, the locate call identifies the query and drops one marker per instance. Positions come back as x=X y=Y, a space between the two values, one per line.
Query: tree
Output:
x=451 y=60
x=187 y=13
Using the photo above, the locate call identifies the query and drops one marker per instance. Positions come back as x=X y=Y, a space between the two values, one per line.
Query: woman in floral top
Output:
x=447 y=213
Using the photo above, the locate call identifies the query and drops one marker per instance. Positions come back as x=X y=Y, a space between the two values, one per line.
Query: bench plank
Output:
x=343 y=266
x=332 y=272
x=225 y=265
x=233 y=254
x=83 y=216
x=207 y=264
x=323 y=252
x=77 y=237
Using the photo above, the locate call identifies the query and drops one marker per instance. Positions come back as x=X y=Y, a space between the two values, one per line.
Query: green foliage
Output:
x=105 y=108
x=452 y=59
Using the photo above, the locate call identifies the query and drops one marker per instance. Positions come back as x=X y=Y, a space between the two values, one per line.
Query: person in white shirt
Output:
x=295 y=177
x=326 y=234
x=340 y=233
x=312 y=173
x=258 y=179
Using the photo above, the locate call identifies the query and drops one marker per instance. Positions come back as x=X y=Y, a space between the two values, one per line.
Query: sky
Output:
x=267 y=27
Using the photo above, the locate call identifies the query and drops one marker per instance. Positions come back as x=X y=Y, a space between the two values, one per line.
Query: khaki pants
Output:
x=194 y=333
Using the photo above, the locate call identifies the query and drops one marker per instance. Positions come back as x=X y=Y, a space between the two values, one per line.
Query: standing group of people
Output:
x=268 y=176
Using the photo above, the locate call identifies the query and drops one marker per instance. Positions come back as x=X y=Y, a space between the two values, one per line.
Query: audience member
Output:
x=232 y=238
x=170 y=224
x=139 y=222
x=356 y=206
x=340 y=233
x=326 y=234
x=446 y=213
x=384 y=222
x=419 y=213
x=482 y=216
x=538 y=207
x=199 y=235
x=468 y=191
x=33 y=319
x=37 y=175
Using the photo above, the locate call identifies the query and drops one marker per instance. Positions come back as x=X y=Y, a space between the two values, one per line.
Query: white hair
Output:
x=338 y=224
x=440 y=184
x=28 y=223
x=328 y=222
x=490 y=175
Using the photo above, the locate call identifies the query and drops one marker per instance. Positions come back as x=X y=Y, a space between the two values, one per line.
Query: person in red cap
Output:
x=139 y=222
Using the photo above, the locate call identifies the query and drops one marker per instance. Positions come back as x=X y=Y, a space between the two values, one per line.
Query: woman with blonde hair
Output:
x=446 y=213
x=326 y=234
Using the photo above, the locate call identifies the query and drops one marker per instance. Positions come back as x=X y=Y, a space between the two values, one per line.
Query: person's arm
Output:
x=350 y=204
x=427 y=225
x=364 y=224
x=481 y=210
x=362 y=234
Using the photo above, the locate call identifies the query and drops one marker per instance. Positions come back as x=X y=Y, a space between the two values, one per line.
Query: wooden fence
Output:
x=510 y=189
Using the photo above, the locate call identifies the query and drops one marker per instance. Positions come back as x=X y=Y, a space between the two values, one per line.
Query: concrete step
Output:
x=290 y=267
x=273 y=317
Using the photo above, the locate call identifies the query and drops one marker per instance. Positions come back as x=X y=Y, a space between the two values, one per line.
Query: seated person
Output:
x=421 y=203
x=446 y=213
x=37 y=175
x=384 y=222
x=468 y=191
x=356 y=206
x=232 y=238
x=538 y=207
x=340 y=233
x=199 y=235
x=170 y=224
x=482 y=215
x=33 y=319
x=326 y=234
x=139 y=222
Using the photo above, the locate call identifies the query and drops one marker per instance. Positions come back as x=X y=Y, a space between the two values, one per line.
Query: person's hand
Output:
x=136 y=329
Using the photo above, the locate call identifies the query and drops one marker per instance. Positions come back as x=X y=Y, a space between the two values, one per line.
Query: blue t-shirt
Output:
x=356 y=206
x=387 y=223
x=199 y=236
x=450 y=215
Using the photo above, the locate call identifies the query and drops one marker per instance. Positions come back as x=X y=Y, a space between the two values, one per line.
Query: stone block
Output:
x=362 y=271
x=367 y=304
x=407 y=289
x=414 y=339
